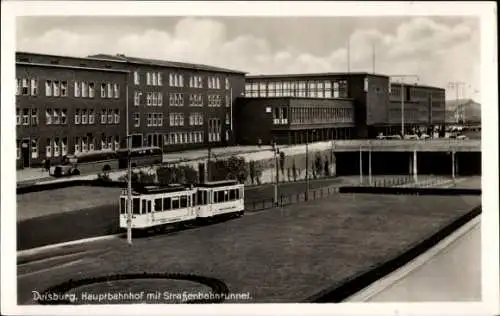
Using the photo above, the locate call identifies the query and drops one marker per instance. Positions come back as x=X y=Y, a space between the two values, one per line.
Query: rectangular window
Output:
x=110 y=116
x=34 y=116
x=160 y=99
x=55 y=88
x=160 y=80
x=48 y=148
x=84 y=116
x=26 y=117
x=110 y=90
x=64 y=116
x=48 y=88
x=18 y=116
x=57 y=117
x=77 y=145
x=77 y=116
x=148 y=79
x=56 y=147
x=84 y=89
x=137 y=119
x=154 y=99
x=18 y=87
x=103 y=116
x=171 y=80
x=117 y=116
x=48 y=116
x=153 y=79
x=137 y=98
x=116 y=91
x=34 y=148
x=34 y=87
x=148 y=99
x=136 y=78
x=103 y=90
x=91 y=116
x=91 y=90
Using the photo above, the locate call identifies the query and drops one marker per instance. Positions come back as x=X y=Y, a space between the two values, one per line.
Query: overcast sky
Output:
x=438 y=49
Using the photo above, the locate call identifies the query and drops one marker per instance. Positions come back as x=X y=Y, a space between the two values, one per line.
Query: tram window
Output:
x=166 y=204
x=232 y=194
x=184 y=201
x=136 y=206
x=175 y=203
x=200 y=197
x=193 y=199
x=123 y=203
x=149 y=207
x=226 y=195
x=220 y=196
x=158 y=207
x=237 y=193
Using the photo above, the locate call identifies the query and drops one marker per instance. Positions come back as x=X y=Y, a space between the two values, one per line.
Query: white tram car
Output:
x=154 y=207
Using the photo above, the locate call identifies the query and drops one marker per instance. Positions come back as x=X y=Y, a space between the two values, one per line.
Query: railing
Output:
x=320 y=193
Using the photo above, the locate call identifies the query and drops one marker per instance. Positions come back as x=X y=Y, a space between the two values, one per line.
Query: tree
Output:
x=252 y=171
x=318 y=165
x=282 y=162
x=327 y=168
x=294 y=171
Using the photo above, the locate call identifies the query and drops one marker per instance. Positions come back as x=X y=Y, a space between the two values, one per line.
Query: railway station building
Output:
x=299 y=108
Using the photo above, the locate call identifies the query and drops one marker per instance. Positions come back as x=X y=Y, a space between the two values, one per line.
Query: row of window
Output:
x=29 y=117
x=312 y=89
x=214 y=130
x=410 y=115
x=60 y=116
x=58 y=146
x=57 y=88
x=320 y=115
x=154 y=119
x=177 y=80
x=215 y=100
x=196 y=119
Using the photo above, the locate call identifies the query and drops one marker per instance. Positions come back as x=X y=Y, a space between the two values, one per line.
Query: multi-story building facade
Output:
x=178 y=105
x=66 y=105
x=321 y=106
x=423 y=108
x=307 y=107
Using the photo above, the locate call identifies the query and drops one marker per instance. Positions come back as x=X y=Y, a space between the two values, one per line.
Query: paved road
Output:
x=103 y=220
x=281 y=255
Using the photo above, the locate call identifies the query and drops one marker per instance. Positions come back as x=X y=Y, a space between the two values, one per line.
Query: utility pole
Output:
x=307 y=166
x=459 y=110
x=276 y=165
x=129 y=170
x=403 y=94
x=349 y=54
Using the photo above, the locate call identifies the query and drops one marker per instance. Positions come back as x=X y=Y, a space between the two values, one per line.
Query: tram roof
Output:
x=155 y=189
x=213 y=184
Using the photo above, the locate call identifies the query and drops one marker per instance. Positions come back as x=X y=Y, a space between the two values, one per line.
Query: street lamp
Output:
x=129 y=170
x=307 y=162
x=276 y=151
x=402 y=77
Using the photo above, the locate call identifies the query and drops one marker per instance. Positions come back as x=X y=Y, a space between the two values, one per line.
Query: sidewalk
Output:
x=28 y=174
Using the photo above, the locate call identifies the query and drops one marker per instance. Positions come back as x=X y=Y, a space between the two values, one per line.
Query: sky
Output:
x=438 y=50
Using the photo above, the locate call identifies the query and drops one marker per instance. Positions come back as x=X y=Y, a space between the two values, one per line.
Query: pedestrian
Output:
x=47 y=164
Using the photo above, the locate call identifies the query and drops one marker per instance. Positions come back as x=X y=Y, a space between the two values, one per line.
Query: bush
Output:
x=103 y=177
x=318 y=165
x=176 y=174
x=294 y=171
x=251 y=166
x=282 y=162
x=233 y=168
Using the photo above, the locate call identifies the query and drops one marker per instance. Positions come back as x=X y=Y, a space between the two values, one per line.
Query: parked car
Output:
x=411 y=137
x=424 y=136
x=393 y=137
x=462 y=137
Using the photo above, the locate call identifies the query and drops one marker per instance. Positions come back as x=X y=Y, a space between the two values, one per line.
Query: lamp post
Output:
x=129 y=170
x=401 y=78
x=276 y=150
x=307 y=163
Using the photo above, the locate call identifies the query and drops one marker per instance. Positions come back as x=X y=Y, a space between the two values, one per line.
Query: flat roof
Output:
x=213 y=184
x=418 y=85
x=297 y=98
x=319 y=74
x=120 y=58
x=162 y=63
x=24 y=63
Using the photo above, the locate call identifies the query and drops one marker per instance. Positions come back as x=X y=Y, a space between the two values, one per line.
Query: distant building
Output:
x=463 y=112
x=313 y=107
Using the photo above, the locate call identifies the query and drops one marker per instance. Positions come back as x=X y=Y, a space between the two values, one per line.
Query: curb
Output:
x=34 y=251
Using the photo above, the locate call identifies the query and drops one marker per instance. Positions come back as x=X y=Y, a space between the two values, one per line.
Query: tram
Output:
x=157 y=207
